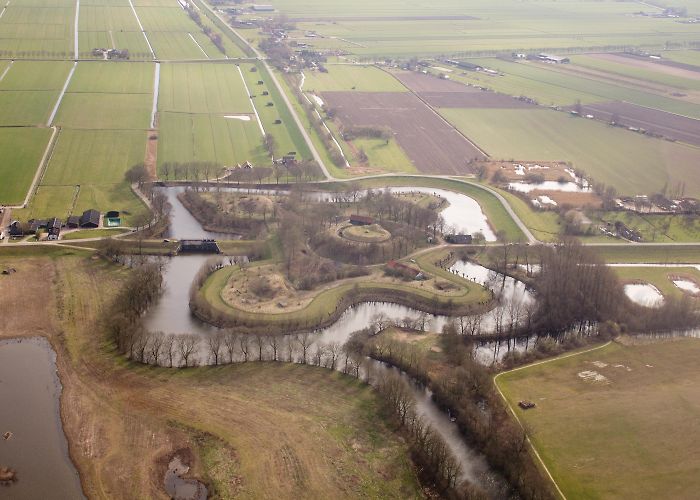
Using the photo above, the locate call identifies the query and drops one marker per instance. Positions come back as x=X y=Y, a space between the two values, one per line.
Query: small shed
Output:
x=361 y=220
x=36 y=224
x=90 y=218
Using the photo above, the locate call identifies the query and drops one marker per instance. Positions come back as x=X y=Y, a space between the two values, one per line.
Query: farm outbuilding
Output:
x=53 y=227
x=90 y=218
x=73 y=222
x=554 y=59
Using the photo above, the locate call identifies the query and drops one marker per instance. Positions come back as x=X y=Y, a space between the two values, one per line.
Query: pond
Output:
x=180 y=488
x=35 y=447
x=644 y=294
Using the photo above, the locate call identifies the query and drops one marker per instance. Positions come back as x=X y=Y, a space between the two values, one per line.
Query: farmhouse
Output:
x=553 y=59
x=36 y=224
x=53 y=226
x=90 y=218
x=361 y=220
x=404 y=270
x=16 y=230
x=459 y=239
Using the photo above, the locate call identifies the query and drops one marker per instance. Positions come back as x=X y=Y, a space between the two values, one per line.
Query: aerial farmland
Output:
x=324 y=249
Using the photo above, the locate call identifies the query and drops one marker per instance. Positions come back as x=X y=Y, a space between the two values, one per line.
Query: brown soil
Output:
x=151 y=158
x=666 y=124
x=430 y=142
x=448 y=94
x=577 y=200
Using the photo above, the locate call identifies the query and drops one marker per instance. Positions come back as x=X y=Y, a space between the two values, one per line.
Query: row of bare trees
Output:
x=428 y=448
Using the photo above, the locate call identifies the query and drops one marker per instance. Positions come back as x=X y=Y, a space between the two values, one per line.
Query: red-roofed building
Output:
x=361 y=220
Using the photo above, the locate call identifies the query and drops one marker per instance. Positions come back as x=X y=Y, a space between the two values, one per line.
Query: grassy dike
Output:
x=256 y=430
x=329 y=304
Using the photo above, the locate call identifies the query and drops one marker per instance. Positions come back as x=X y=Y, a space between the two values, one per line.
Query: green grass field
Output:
x=21 y=150
x=202 y=88
x=658 y=228
x=343 y=77
x=657 y=254
x=633 y=435
x=93 y=233
x=385 y=157
x=204 y=137
x=632 y=163
x=373 y=28
x=550 y=85
x=113 y=78
x=630 y=71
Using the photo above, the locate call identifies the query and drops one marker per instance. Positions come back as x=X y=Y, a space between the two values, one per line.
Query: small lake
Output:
x=179 y=488
x=29 y=409
x=644 y=294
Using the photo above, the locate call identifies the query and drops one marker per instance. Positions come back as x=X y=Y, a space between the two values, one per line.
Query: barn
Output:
x=90 y=218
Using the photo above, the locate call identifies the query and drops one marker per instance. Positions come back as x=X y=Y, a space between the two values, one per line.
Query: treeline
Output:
x=319 y=127
x=124 y=318
x=352 y=133
x=467 y=392
x=212 y=218
x=429 y=450
x=214 y=37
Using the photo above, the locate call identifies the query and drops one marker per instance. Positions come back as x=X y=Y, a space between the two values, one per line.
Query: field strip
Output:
x=440 y=116
x=60 y=96
x=257 y=117
x=661 y=110
x=6 y=69
x=153 y=54
x=111 y=37
x=75 y=28
x=200 y=47
x=43 y=163
x=156 y=85
x=532 y=447
x=301 y=89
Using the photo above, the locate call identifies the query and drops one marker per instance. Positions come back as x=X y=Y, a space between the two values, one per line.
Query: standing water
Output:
x=32 y=441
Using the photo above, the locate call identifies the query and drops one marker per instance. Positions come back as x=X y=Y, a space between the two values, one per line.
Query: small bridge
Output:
x=198 y=246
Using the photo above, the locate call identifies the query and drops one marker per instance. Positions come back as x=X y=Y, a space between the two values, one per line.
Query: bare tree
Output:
x=230 y=342
x=155 y=347
x=305 y=341
x=214 y=343
x=169 y=349
x=244 y=346
x=274 y=342
x=259 y=343
x=186 y=345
